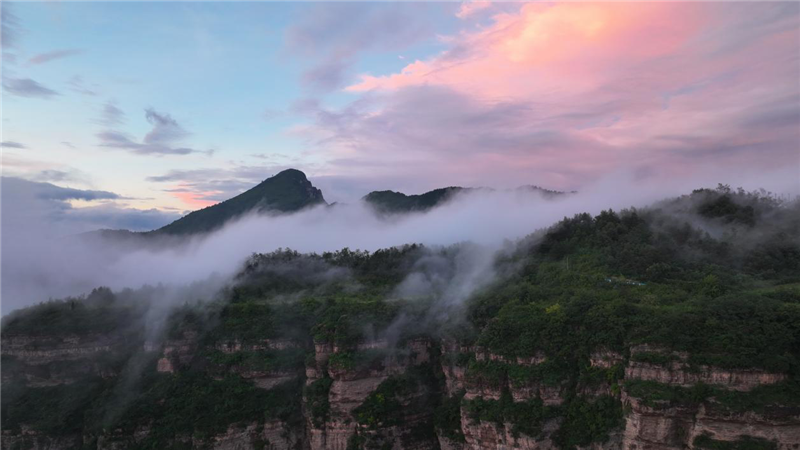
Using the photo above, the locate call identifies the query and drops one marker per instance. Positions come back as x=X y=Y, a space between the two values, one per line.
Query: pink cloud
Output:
x=563 y=93
x=471 y=7
x=567 y=46
x=194 y=200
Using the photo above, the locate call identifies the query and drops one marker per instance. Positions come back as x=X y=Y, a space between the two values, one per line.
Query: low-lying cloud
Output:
x=41 y=211
x=35 y=268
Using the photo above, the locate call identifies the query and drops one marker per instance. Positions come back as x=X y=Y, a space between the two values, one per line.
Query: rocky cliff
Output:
x=378 y=394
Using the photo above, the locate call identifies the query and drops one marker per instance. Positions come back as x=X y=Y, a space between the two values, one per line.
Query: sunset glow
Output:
x=555 y=94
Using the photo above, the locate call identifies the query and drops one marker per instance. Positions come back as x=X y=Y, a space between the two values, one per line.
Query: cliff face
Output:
x=485 y=434
x=648 y=424
x=378 y=395
x=38 y=361
x=351 y=383
x=665 y=427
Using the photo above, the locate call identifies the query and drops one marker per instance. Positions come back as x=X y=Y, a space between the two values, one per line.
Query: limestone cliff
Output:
x=378 y=394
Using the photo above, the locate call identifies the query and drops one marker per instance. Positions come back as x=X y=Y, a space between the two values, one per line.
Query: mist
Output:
x=36 y=268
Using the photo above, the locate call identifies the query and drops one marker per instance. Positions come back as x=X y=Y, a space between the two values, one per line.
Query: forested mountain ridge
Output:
x=671 y=327
x=392 y=202
x=288 y=191
x=397 y=202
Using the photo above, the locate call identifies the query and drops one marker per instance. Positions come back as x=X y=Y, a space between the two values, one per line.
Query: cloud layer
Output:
x=163 y=138
x=320 y=35
x=561 y=94
x=36 y=267
x=42 y=58
x=26 y=87
x=41 y=209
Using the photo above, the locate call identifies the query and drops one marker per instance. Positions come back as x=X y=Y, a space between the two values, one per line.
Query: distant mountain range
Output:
x=392 y=202
x=290 y=191
x=287 y=191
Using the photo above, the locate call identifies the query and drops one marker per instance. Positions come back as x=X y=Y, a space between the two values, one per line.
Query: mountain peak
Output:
x=291 y=174
x=397 y=202
x=287 y=191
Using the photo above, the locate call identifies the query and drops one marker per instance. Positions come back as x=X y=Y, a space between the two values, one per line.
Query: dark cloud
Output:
x=78 y=85
x=335 y=48
x=750 y=22
x=437 y=123
x=162 y=138
x=9 y=32
x=12 y=144
x=60 y=176
x=116 y=139
x=116 y=218
x=328 y=75
x=111 y=115
x=42 y=58
x=69 y=144
x=28 y=204
x=26 y=87
x=48 y=191
x=165 y=128
x=784 y=112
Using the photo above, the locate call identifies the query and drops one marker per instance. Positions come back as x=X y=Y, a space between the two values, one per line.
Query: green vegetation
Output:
x=706 y=442
x=526 y=417
x=357 y=360
x=99 y=312
x=290 y=359
x=53 y=410
x=457 y=359
x=494 y=373
x=561 y=304
x=760 y=399
x=385 y=407
x=588 y=420
x=585 y=420
x=397 y=202
x=655 y=394
x=447 y=418
x=657 y=358
x=197 y=405
x=316 y=395
x=719 y=265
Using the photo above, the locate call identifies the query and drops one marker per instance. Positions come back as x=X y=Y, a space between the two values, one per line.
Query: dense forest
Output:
x=710 y=279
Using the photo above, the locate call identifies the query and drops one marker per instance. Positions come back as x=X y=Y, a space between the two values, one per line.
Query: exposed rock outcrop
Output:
x=38 y=361
x=677 y=371
x=665 y=426
x=353 y=382
x=488 y=435
x=353 y=373
x=175 y=352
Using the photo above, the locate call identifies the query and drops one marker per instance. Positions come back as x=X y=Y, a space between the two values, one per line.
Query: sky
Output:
x=127 y=115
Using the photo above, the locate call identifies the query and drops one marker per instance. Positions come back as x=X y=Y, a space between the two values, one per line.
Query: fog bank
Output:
x=35 y=268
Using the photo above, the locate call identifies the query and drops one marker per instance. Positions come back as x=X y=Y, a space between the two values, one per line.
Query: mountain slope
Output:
x=287 y=191
x=391 y=202
x=397 y=202
x=572 y=345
